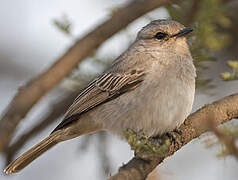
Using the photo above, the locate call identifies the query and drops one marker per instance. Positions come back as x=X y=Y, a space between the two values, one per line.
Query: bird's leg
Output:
x=178 y=131
x=173 y=135
x=156 y=140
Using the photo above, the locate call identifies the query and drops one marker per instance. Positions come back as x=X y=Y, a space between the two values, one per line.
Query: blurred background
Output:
x=33 y=34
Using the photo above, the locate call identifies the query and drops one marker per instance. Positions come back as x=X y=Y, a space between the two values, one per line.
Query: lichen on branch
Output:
x=145 y=146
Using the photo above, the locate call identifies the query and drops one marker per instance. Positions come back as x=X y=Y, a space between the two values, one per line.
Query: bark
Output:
x=196 y=124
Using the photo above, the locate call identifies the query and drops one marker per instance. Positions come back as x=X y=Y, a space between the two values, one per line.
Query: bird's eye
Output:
x=160 y=35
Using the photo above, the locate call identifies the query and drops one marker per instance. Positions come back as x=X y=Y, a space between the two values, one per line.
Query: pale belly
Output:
x=154 y=107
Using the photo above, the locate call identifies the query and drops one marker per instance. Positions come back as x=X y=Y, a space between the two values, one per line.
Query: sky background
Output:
x=29 y=43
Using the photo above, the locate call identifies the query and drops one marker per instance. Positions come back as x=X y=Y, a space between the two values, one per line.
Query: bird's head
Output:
x=165 y=35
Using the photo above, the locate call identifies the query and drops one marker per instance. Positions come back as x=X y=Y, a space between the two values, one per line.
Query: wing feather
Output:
x=101 y=90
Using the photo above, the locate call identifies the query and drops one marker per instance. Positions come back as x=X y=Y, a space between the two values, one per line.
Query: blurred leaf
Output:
x=233 y=65
x=113 y=10
x=64 y=25
x=224 y=152
x=204 y=16
x=227 y=76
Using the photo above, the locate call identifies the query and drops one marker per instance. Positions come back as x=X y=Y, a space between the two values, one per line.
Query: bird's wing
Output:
x=101 y=90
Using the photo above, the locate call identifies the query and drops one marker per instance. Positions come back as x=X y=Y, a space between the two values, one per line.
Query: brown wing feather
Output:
x=101 y=90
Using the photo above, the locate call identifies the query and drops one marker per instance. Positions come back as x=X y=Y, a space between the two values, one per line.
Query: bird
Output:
x=150 y=87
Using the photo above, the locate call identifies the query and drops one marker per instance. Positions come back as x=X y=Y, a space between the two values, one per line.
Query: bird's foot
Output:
x=178 y=131
x=156 y=140
x=174 y=136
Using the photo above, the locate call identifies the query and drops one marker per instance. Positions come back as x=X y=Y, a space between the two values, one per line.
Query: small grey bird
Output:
x=149 y=88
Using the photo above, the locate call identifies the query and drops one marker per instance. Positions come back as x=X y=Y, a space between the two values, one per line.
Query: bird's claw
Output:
x=172 y=136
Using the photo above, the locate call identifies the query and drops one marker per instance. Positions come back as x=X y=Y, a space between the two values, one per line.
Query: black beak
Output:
x=183 y=32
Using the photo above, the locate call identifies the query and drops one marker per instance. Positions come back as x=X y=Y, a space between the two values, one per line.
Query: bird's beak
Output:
x=183 y=32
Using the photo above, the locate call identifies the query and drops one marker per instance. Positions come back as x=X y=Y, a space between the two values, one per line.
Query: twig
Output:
x=195 y=125
x=32 y=92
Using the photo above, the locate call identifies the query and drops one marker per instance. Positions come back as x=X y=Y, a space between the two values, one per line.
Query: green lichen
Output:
x=146 y=146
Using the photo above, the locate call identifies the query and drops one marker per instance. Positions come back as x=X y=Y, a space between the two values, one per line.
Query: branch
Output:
x=196 y=124
x=32 y=92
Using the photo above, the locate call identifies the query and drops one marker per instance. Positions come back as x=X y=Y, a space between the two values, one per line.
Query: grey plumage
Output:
x=149 y=88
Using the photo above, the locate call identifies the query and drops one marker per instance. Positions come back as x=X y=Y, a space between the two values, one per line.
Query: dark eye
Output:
x=160 y=35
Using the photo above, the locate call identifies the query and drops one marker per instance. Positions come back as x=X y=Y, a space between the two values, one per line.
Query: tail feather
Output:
x=33 y=153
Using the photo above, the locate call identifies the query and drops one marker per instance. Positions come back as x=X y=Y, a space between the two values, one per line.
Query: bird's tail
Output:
x=33 y=153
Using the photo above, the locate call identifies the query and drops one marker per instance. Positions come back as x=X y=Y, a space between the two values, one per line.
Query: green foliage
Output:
x=211 y=15
x=145 y=146
x=227 y=76
x=207 y=17
x=64 y=25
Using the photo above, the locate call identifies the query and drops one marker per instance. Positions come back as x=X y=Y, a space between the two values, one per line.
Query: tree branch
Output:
x=195 y=125
x=32 y=92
